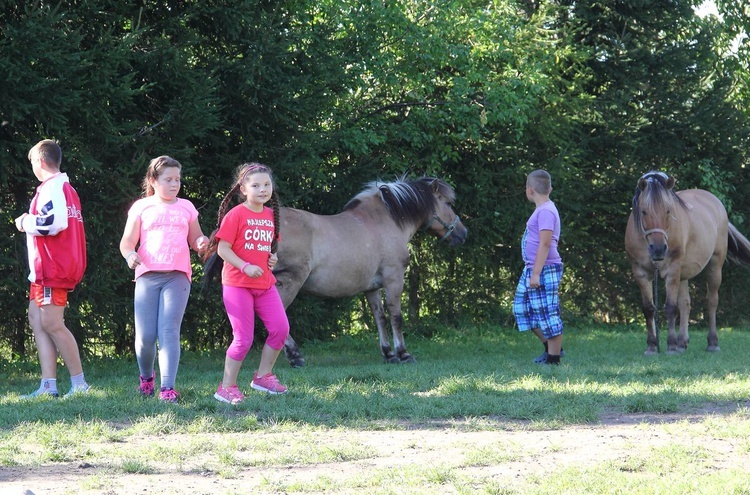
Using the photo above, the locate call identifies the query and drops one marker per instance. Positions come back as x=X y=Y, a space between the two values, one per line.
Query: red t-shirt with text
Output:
x=250 y=235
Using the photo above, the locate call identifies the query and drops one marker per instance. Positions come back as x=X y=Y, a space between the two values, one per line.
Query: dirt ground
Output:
x=530 y=452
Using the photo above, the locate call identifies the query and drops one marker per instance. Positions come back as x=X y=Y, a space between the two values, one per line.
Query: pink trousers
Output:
x=242 y=305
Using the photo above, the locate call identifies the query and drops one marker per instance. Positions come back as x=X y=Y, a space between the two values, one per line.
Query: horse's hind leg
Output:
x=288 y=287
x=376 y=305
x=393 y=301
x=712 y=303
x=291 y=351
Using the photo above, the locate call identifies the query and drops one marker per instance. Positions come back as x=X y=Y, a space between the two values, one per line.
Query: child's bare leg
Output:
x=554 y=345
x=267 y=360
x=53 y=325
x=231 y=372
x=538 y=333
x=44 y=344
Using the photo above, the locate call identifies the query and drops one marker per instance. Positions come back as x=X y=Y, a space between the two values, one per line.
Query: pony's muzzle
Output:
x=657 y=252
x=657 y=247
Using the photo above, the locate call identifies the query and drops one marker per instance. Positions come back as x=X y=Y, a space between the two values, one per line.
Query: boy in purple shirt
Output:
x=536 y=305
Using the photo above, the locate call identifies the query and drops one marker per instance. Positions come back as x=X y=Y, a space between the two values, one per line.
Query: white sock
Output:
x=48 y=385
x=78 y=381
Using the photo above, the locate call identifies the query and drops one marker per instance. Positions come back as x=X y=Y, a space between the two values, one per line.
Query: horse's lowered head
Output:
x=654 y=205
x=444 y=223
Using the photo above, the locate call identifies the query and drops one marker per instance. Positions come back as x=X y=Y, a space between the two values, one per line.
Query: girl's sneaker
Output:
x=230 y=395
x=268 y=383
x=147 y=386
x=168 y=394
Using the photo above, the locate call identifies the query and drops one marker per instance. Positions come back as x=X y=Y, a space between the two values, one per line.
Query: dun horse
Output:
x=678 y=235
x=364 y=249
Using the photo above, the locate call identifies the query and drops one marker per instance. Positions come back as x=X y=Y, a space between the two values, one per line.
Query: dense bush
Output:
x=335 y=93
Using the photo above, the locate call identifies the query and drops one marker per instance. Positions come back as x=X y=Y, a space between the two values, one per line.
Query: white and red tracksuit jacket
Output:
x=55 y=237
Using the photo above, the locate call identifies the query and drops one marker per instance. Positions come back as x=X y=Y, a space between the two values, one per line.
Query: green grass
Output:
x=478 y=379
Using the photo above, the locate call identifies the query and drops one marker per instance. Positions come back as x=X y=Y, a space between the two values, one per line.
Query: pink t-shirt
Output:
x=250 y=235
x=163 y=244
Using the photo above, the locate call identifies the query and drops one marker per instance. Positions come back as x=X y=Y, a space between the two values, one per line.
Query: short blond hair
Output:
x=540 y=181
x=48 y=151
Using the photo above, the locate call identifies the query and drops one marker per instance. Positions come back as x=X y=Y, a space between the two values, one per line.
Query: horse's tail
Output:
x=211 y=269
x=738 y=247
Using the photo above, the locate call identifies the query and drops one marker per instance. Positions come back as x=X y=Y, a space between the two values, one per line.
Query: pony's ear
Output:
x=435 y=186
x=670 y=182
x=642 y=183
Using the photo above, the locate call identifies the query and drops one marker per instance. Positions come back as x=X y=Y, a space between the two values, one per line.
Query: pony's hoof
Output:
x=676 y=350
x=713 y=348
x=651 y=352
x=297 y=362
x=392 y=360
x=407 y=358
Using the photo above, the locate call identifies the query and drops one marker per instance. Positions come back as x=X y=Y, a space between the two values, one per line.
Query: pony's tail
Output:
x=212 y=262
x=738 y=247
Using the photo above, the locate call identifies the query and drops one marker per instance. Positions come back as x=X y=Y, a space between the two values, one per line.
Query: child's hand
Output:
x=201 y=243
x=133 y=260
x=252 y=271
x=272 y=260
x=19 y=222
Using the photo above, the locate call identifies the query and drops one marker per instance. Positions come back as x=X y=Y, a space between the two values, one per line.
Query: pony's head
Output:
x=444 y=223
x=653 y=210
x=425 y=202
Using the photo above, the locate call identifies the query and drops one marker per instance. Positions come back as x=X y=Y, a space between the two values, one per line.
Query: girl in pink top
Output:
x=246 y=240
x=164 y=227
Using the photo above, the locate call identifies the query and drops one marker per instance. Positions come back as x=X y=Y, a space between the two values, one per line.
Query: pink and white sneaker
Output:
x=268 y=383
x=230 y=395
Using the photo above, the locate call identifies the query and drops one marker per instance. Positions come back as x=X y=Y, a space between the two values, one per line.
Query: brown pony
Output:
x=678 y=235
x=364 y=249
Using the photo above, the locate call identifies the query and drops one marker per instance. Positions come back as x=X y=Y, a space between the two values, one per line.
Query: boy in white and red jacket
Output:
x=56 y=245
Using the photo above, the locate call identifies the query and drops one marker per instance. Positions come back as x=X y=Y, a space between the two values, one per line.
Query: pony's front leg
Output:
x=376 y=306
x=683 y=304
x=672 y=284
x=649 y=310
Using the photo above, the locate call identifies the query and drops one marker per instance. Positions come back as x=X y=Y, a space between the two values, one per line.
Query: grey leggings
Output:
x=160 y=302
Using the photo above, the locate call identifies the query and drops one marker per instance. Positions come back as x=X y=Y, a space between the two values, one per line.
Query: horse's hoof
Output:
x=651 y=352
x=676 y=350
x=392 y=360
x=407 y=358
x=713 y=348
x=297 y=362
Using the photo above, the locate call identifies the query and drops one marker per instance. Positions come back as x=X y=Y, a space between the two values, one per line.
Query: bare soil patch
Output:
x=520 y=452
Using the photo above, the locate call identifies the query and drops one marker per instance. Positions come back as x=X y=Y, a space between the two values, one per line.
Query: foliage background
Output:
x=335 y=93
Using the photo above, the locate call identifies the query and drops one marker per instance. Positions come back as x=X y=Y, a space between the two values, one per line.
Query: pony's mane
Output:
x=655 y=196
x=407 y=201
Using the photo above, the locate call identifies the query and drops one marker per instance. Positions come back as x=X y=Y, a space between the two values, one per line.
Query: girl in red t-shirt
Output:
x=246 y=240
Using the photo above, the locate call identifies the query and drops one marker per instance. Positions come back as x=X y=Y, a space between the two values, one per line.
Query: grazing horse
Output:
x=678 y=235
x=364 y=249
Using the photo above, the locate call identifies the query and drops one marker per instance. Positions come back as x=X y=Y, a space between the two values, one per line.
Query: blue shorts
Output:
x=539 y=307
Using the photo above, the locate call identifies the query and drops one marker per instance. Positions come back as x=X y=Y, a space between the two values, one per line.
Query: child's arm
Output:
x=545 y=241
x=196 y=239
x=229 y=256
x=52 y=217
x=129 y=240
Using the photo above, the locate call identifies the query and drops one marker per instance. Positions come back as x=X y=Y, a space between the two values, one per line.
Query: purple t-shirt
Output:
x=545 y=217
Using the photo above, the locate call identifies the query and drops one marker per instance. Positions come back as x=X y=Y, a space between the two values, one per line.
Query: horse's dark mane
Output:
x=656 y=195
x=407 y=201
